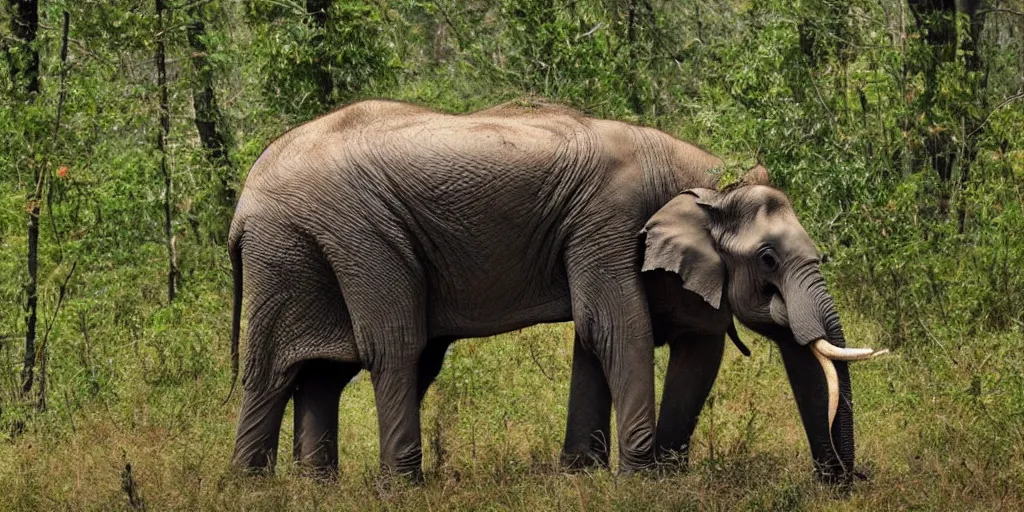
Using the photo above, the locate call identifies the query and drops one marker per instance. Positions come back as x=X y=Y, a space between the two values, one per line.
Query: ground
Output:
x=493 y=424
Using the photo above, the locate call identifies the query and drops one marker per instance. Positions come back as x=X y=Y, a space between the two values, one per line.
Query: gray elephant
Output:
x=375 y=236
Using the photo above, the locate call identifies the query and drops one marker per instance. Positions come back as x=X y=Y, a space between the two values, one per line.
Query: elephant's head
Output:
x=744 y=245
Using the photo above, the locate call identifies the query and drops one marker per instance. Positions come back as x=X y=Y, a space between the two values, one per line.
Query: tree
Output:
x=209 y=120
x=947 y=47
x=23 y=60
x=161 y=139
x=319 y=15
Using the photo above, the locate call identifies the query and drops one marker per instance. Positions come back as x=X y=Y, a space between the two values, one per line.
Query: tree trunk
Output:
x=319 y=15
x=974 y=64
x=635 y=98
x=936 y=19
x=62 y=96
x=213 y=134
x=24 y=73
x=165 y=127
x=24 y=64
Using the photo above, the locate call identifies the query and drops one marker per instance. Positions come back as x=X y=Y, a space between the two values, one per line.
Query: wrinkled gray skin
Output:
x=375 y=236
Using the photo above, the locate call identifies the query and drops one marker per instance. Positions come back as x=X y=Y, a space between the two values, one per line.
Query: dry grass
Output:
x=940 y=430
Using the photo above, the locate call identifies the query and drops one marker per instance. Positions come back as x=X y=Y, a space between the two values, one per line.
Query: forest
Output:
x=127 y=129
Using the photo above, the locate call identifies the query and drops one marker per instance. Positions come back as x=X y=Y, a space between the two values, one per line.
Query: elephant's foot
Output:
x=637 y=469
x=388 y=478
x=584 y=461
x=317 y=473
x=252 y=472
x=833 y=473
x=672 y=461
x=254 y=464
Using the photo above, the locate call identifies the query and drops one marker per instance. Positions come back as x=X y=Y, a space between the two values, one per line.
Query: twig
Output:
x=448 y=20
x=982 y=12
x=1005 y=102
x=817 y=93
x=43 y=345
x=60 y=299
x=71 y=416
x=61 y=97
x=937 y=342
x=588 y=33
x=131 y=487
x=537 y=362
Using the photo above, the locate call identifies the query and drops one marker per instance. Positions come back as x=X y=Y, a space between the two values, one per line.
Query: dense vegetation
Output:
x=126 y=130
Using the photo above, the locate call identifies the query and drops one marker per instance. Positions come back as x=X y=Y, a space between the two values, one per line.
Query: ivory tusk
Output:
x=845 y=354
x=832 y=381
x=825 y=353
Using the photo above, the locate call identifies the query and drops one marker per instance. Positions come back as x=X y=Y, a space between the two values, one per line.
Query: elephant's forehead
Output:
x=780 y=228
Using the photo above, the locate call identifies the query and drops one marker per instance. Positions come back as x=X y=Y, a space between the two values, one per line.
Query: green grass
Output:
x=937 y=427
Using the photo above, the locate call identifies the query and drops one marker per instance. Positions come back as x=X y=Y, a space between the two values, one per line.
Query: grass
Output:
x=938 y=427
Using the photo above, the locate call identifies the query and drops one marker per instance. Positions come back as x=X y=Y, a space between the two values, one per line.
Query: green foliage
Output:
x=296 y=55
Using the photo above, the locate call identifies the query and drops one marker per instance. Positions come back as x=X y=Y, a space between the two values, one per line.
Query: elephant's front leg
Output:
x=588 y=427
x=692 y=368
x=611 y=317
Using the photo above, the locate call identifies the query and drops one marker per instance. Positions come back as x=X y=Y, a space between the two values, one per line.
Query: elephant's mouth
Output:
x=825 y=353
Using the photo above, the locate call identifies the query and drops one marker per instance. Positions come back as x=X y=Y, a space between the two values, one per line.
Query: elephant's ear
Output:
x=677 y=239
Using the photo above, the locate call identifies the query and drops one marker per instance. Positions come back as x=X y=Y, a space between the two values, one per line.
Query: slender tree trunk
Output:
x=62 y=95
x=974 y=64
x=319 y=14
x=161 y=137
x=213 y=134
x=24 y=69
x=24 y=73
x=936 y=19
x=44 y=348
x=635 y=101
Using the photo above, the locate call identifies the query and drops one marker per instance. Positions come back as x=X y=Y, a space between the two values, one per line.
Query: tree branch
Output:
x=982 y=12
x=41 y=402
x=1004 y=103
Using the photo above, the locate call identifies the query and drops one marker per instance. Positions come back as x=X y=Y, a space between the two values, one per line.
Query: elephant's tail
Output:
x=235 y=252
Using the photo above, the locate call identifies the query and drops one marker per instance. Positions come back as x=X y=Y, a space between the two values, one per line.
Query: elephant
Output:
x=375 y=236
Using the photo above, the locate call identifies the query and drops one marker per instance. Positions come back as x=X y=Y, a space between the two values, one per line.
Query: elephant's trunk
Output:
x=819 y=373
x=840 y=397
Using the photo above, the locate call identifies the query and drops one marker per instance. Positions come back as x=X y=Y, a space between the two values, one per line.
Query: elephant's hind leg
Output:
x=588 y=428
x=296 y=314
x=259 y=424
x=317 y=391
x=431 y=361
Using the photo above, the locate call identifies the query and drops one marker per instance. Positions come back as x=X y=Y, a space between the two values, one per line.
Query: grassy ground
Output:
x=937 y=428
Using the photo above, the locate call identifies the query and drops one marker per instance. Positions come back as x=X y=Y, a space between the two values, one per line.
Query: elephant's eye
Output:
x=768 y=259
